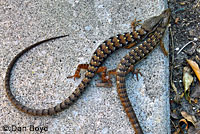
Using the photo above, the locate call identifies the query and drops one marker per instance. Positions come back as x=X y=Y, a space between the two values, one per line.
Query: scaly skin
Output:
x=132 y=58
x=126 y=40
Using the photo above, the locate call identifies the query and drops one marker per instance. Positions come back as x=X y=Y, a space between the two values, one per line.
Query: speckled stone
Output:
x=39 y=79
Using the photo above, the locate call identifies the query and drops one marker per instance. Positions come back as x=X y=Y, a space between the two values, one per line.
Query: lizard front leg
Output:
x=105 y=75
x=77 y=72
x=106 y=79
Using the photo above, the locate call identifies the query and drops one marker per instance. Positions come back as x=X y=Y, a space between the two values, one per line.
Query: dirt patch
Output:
x=184 y=44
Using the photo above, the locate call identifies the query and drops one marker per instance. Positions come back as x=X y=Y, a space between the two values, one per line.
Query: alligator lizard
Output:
x=132 y=58
x=126 y=40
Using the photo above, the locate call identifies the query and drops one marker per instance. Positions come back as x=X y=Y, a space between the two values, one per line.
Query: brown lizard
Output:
x=126 y=40
x=128 y=62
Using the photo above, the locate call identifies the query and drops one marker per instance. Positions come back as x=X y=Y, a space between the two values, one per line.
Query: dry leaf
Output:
x=195 y=68
x=174 y=87
x=187 y=81
x=176 y=20
x=194 y=100
x=177 y=98
x=184 y=121
x=188 y=117
x=177 y=131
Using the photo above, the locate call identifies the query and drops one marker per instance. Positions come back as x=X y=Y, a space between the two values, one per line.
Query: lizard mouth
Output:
x=166 y=17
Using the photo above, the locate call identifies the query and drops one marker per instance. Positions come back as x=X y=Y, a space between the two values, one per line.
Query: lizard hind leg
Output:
x=105 y=77
x=77 y=72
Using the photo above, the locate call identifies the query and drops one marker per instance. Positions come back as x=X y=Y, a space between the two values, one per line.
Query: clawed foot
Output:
x=106 y=82
x=106 y=79
x=135 y=23
x=135 y=71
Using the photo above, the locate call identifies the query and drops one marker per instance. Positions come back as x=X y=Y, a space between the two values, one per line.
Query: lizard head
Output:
x=163 y=19
x=166 y=14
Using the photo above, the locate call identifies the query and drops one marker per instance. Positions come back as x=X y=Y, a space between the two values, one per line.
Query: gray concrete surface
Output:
x=39 y=79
